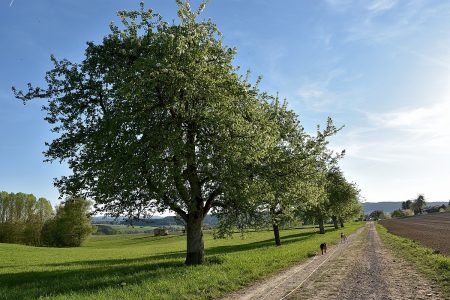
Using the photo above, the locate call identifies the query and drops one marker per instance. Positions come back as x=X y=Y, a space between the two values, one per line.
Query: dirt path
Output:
x=361 y=268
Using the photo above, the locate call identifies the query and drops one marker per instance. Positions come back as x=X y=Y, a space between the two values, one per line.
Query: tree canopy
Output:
x=156 y=117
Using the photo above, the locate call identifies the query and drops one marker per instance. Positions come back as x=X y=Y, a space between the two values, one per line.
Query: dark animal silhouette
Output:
x=343 y=237
x=323 y=248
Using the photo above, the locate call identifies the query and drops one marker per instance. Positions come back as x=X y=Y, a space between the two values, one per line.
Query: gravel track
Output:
x=361 y=268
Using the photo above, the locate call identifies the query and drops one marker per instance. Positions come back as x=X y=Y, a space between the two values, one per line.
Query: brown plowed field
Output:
x=432 y=230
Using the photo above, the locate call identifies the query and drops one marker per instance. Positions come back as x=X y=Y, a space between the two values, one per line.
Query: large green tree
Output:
x=290 y=172
x=342 y=197
x=157 y=117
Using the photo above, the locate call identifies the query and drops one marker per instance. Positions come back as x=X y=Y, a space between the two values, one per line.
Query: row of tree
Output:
x=417 y=207
x=409 y=208
x=22 y=217
x=27 y=220
x=157 y=117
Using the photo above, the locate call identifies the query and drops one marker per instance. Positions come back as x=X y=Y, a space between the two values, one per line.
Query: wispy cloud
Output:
x=332 y=92
x=400 y=18
x=381 y=5
x=428 y=124
x=339 y=4
x=317 y=93
x=402 y=135
x=430 y=59
x=12 y=2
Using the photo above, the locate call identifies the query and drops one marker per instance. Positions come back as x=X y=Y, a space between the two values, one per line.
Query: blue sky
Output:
x=380 y=67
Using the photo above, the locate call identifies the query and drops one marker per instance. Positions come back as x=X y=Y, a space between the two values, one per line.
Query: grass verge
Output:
x=147 y=267
x=434 y=266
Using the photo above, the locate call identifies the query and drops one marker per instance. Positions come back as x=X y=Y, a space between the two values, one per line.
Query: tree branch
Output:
x=210 y=201
x=175 y=208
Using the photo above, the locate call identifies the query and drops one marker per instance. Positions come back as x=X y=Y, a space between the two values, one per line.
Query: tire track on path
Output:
x=361 y=268
x=369 y=271
x=281 y=284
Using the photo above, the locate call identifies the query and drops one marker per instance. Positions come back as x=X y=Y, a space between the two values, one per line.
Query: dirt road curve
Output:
x=362 y=268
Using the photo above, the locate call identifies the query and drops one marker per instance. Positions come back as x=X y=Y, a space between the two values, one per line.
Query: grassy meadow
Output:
x=143 y=266
x=435 y=266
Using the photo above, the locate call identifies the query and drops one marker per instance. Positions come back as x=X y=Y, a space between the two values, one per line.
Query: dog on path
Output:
x=343 y=237
x=323 y=248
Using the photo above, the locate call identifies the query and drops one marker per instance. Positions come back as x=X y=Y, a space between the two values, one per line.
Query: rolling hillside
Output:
x=391 y=206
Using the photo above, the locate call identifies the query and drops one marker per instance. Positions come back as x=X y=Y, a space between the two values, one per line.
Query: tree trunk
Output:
x=194 y=236
x=276 y=233
x=342 y=222
x=321 y=225
x=335 y=222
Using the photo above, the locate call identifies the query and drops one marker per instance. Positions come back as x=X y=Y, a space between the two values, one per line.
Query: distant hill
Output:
x=154 y=221
x=391 y=206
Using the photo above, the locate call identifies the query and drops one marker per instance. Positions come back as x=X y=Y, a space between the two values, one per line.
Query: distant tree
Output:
x=353 y=211
x=22 y=217
x=406 y=204
x=377 y=215
x=42 y=211
x=398 y=213
x=418 y=204
x=71 y=225
x=286 y=175
x=342 y=197
x=105 y=229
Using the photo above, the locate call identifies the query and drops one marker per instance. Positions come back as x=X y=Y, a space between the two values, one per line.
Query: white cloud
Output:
x=404 y=151
x=311 y=91
x=406 y=19
x=429 y=123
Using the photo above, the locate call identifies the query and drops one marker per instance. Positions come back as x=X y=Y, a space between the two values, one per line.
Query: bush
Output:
x=71 y=225
x=398 y=213
x=105 y=229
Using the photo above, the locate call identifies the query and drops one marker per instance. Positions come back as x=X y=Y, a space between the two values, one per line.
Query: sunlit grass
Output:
x=142 y=266
x=435 y=266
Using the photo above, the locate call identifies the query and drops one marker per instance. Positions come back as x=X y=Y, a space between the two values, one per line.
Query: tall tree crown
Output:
x=155 y=117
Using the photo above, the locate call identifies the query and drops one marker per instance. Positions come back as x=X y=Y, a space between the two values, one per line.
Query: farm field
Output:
x=436 y=267
x=142 y=266
x=431 y=230
x=125 y=229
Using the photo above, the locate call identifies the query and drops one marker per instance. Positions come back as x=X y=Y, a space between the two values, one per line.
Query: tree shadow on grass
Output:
x=285 y=240
x=94 y=275
x=217 y=250
x=92 y=278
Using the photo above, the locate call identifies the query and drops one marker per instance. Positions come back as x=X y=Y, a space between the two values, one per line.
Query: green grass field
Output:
x=435 y=266
x=151 y=267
